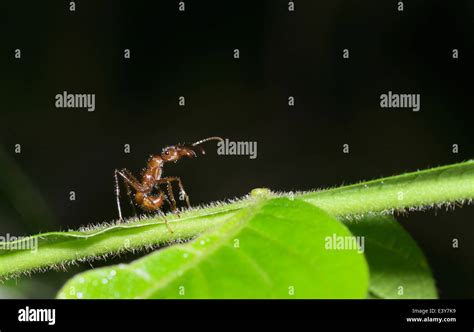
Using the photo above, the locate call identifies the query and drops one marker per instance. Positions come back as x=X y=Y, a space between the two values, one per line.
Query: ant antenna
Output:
x=214 y=138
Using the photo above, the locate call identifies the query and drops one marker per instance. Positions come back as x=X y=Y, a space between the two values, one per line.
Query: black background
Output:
x=191 y=54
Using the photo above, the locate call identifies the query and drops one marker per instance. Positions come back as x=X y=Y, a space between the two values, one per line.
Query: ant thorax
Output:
x=155 y=161
x=152 y=173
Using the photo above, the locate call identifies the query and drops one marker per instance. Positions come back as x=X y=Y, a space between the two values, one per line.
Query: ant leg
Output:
x=129 y=194
x=129 y=180
x=171 y=197
x=183 y=192
x=127 y=186
x=171 y=201
x=181 y=188
x=162 y=214
x=166 y=198
x=117 y=195
x=158 y=202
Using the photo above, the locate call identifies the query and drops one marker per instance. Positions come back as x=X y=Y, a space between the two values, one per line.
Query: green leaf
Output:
x=273 y=249
x=395 y=260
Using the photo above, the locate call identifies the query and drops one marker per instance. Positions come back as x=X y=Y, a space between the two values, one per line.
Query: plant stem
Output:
x=62 y=247
x=417 y=190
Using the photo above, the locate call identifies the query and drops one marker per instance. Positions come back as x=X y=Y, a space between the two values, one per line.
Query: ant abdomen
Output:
x=149 y=203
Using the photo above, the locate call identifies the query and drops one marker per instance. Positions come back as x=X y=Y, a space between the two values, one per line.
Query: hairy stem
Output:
x=56 y=248
x=417 y=190
x=428 y=188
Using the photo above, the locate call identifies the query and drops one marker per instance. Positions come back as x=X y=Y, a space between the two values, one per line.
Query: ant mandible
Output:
x=151 y=179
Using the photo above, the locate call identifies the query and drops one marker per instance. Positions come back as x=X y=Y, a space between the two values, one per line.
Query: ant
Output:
x=151 y=179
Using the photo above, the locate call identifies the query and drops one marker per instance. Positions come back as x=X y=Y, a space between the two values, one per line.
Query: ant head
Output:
x=174 y=153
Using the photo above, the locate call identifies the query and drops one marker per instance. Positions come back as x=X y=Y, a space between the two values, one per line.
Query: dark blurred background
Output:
x=190 y=54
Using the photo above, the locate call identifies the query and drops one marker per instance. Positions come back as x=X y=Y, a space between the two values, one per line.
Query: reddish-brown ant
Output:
x=148 y=194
